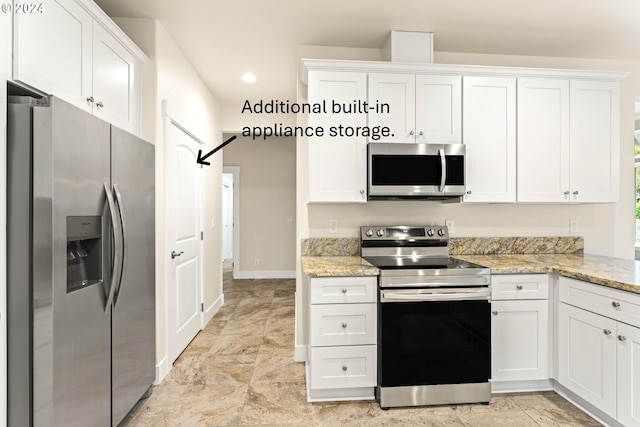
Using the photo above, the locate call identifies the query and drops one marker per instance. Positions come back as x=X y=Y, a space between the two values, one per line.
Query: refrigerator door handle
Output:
x=123 y=228
x=117 y=243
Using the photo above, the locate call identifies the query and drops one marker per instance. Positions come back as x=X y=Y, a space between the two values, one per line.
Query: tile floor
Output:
x=239 y=371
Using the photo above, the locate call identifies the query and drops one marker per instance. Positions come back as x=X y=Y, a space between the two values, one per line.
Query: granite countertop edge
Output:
x=600 y=270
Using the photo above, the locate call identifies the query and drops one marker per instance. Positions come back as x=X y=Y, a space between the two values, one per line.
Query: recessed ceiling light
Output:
x=248 y=78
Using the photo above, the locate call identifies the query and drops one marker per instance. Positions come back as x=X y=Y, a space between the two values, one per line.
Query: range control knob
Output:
x=369 y=233
x=441 y=232
x=430 y=232
x=380 y=233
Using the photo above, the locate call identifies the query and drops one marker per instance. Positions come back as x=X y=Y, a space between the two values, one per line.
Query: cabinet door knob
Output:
x=495 y=313
x=615 y=304
x=421 y=133
x=519 y=287
x=575 y=193
x=344 y=290
x=90 y=99
x=344 y=368
x=412 y=133
x=362 y=192
x=607 y=332
x=622 y=338
x=344 y=326
x=468 y=191
x=566 y=193
x=100 y=104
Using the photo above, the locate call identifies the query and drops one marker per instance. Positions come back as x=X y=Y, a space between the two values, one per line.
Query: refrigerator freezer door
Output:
x=133 y=313
x=72 y=369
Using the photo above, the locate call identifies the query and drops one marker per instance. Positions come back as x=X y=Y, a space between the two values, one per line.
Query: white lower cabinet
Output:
x=520 y=328
x=341 y=359
x=599 y=355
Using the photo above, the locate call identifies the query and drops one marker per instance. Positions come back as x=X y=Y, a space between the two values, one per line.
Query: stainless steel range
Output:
x=434 y=325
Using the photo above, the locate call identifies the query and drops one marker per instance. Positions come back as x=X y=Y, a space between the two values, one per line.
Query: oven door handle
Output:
x=430 y=281
x=436 y=295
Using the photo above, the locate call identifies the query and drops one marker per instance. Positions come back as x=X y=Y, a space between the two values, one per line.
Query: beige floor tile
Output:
x=278 y=345
x=214 y=405
x=562 y=418
x=278 y=369
x=497 y=419
x=216 y=369
x=279 y=326
x=244 y=327
x=237 y=344
x=498 y=403
x=276 y=403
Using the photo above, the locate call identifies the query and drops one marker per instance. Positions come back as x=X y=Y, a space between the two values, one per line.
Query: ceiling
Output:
x=223 y=39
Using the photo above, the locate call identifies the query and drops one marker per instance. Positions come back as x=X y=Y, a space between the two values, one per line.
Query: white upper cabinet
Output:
x=52 y=50
x=543 y=140
x=594 y=141
x=439 y=109
x=421 y=108
x=399 y=93
x=74 y=51
x=337 y=167
x=489 y=134
x=571 y=128
x=114 y=80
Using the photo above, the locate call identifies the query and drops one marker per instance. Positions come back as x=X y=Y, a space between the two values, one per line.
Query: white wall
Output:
x=267 y=189
x=608 y=229
x=5 y=50
x=169 y=76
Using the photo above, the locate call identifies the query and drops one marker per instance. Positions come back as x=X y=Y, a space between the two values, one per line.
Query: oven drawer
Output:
x=337 y=290
x=519 y=286
x=343 y=367
x=343 y=324
x=613 y=303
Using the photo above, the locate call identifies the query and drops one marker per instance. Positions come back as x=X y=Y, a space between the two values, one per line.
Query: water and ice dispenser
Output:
x=84 y=252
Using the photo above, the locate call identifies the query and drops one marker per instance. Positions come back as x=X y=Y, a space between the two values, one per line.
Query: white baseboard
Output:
x=212 y=310
x=285 y=274
x=300 y=353
x=162 y=370
x=520 y=386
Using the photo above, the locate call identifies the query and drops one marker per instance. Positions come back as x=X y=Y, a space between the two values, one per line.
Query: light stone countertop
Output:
x=328 y=266
x=611 y=272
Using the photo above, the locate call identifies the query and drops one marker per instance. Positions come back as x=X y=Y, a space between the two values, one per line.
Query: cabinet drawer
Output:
x=613 y=303
x=343 y=367
x=336 y=290
x=343 y=324
x=520 y=287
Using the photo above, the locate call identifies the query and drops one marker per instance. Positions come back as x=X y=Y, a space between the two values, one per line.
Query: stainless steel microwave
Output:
x=415 y=171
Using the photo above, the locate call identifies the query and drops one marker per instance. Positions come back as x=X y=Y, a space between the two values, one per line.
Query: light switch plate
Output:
x=333 y=226
x=451 y=225
x=573 y=226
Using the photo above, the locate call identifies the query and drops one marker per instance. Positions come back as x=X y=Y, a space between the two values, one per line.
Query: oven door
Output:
x=434 y=336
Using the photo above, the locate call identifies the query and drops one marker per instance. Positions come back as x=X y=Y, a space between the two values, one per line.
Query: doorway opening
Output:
x=231 y=216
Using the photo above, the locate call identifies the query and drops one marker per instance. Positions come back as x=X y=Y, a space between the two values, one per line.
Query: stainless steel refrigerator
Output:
x=81 y=280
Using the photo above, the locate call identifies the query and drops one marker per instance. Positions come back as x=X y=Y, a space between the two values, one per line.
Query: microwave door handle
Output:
x=443 y=177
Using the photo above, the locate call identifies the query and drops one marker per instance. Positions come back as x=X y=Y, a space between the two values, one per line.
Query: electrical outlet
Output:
x=333 y=226
x=573 y=226
x=256 y=262
x=213 y=223
x=451 y=225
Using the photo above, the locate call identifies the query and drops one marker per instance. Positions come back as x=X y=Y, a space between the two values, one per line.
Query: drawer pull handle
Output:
x=495 y=313
x=519 y=287
x=607 y=332
x=622 y=338
x=344 y=368
x=344 y=290
x=344 y=326
x=615 y=304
